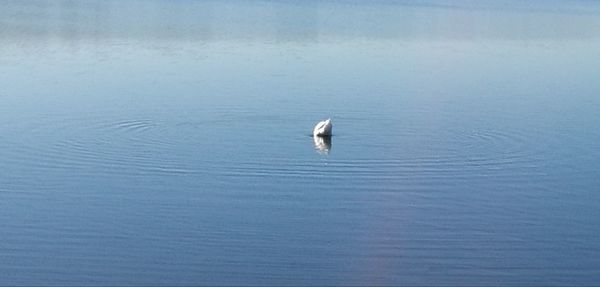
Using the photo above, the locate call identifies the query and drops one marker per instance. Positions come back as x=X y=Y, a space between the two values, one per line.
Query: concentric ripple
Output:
x=124 y=147
x=452 y=158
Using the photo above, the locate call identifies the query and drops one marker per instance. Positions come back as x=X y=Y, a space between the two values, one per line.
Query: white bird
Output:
x=323 y=128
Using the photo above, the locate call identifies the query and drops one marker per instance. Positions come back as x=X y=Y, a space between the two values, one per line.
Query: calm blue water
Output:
x=168 y=143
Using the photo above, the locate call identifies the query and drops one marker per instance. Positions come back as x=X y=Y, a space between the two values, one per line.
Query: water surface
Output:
x=168 y=142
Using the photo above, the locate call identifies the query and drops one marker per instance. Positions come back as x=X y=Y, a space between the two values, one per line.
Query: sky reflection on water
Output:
x=167 y=142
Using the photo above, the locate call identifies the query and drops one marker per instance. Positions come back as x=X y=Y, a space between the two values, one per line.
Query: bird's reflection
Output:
x=322 y=144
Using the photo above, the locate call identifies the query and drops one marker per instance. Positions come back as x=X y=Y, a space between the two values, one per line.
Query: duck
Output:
x=323 y=128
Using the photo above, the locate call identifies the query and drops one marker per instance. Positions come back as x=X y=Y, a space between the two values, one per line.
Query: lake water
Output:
x=169 y=142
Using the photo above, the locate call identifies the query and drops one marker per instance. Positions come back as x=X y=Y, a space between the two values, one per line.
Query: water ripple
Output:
x=144 y=147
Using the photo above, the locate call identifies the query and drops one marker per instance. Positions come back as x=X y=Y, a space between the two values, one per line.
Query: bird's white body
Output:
x=323 y=129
